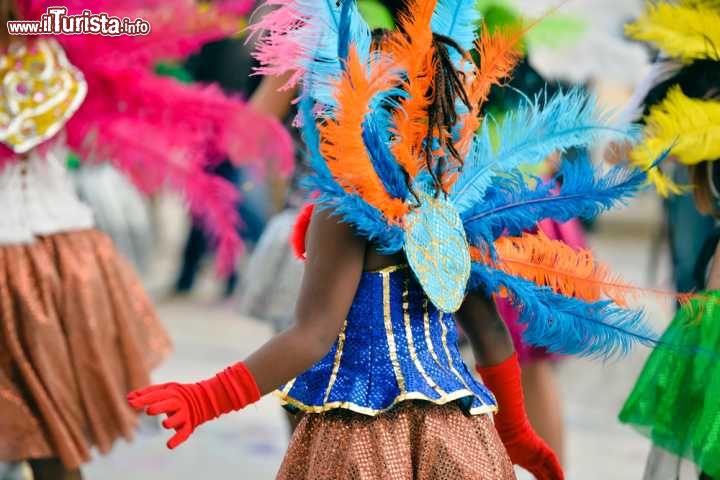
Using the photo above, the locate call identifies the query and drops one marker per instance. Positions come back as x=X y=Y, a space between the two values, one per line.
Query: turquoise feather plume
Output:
x=528 y=135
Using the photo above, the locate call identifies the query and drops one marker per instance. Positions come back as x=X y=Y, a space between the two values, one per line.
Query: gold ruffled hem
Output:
x=353 y=407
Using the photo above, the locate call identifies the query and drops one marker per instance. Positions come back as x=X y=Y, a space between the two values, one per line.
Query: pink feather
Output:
x=165 y=161
x=280 y=48
x=178 y=28
x=161 y=132
x=236 y=7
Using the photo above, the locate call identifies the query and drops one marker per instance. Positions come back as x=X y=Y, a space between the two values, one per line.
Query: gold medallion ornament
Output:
x=41 y=90
x=437 y=251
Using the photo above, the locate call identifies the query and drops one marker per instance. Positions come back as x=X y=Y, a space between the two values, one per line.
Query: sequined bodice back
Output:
x=394 y=346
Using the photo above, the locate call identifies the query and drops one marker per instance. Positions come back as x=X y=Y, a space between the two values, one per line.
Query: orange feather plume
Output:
x=412 y=48
x=499 y=53
x=554 y=264
x=341 y=137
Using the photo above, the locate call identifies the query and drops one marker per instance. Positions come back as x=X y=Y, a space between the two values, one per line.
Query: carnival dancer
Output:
x=418 y=217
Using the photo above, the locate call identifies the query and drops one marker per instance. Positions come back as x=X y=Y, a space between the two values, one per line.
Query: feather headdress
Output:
x=689 y=33
x=303 y=37
x=690 y=126
x=413 y=47
x=367 y=143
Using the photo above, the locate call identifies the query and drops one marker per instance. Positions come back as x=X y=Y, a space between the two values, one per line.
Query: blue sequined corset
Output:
x=393 y=346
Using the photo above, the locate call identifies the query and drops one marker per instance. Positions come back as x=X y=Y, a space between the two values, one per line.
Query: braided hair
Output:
x=442 y=114
x=448 y=87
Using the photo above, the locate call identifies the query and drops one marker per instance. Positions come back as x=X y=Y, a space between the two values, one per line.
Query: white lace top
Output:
x=38 y=198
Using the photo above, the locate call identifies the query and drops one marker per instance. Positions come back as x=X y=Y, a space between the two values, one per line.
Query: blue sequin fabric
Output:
x=394 y=346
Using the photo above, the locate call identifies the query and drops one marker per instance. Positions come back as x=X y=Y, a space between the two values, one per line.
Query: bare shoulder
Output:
x=326 y=227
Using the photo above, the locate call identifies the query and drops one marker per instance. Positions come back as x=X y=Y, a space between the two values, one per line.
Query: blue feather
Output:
x=382 y=158
x=568 y=325
x=327 y=28
x=528 y=135
x=344 y=30
x=311 y=137
x=511 y=206
x=351 y=208
x=368 y=221
x=457 y=19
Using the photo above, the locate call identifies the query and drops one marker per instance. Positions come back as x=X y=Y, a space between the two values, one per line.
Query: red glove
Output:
x=523 y=445
x=189 y=405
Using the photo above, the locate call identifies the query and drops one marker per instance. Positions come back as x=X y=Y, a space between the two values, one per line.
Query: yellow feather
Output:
x=643 y=157
x=688 y=31
x=690 y=126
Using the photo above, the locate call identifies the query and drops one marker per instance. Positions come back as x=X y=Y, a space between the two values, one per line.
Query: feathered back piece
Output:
x=157 y=130
x=688 y=31
x=364 y=111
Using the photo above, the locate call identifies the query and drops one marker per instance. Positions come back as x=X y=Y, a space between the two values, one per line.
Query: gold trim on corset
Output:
x=288 y=386
x=447 y=351
x=390 y=335
x=411 y=342
x=428 y=340
x=353 y=407
x=431 y=348
x=404 y=395
x=389 y=269
x=450 y=361
x=336 y=361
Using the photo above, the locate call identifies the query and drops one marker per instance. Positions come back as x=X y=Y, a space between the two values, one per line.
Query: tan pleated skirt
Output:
x=413 y=441
x=77 y=332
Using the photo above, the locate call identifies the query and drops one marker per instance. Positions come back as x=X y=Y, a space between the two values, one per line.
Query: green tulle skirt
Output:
x=676 y=400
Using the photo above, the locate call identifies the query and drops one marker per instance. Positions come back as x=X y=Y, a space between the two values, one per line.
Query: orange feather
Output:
x=341 y=137
x=553 y=264
x=412 y=49
x=499 y=53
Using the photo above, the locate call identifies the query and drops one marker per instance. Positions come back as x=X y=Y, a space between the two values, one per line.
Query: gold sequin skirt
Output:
x=413 y=441
x=77 y=332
